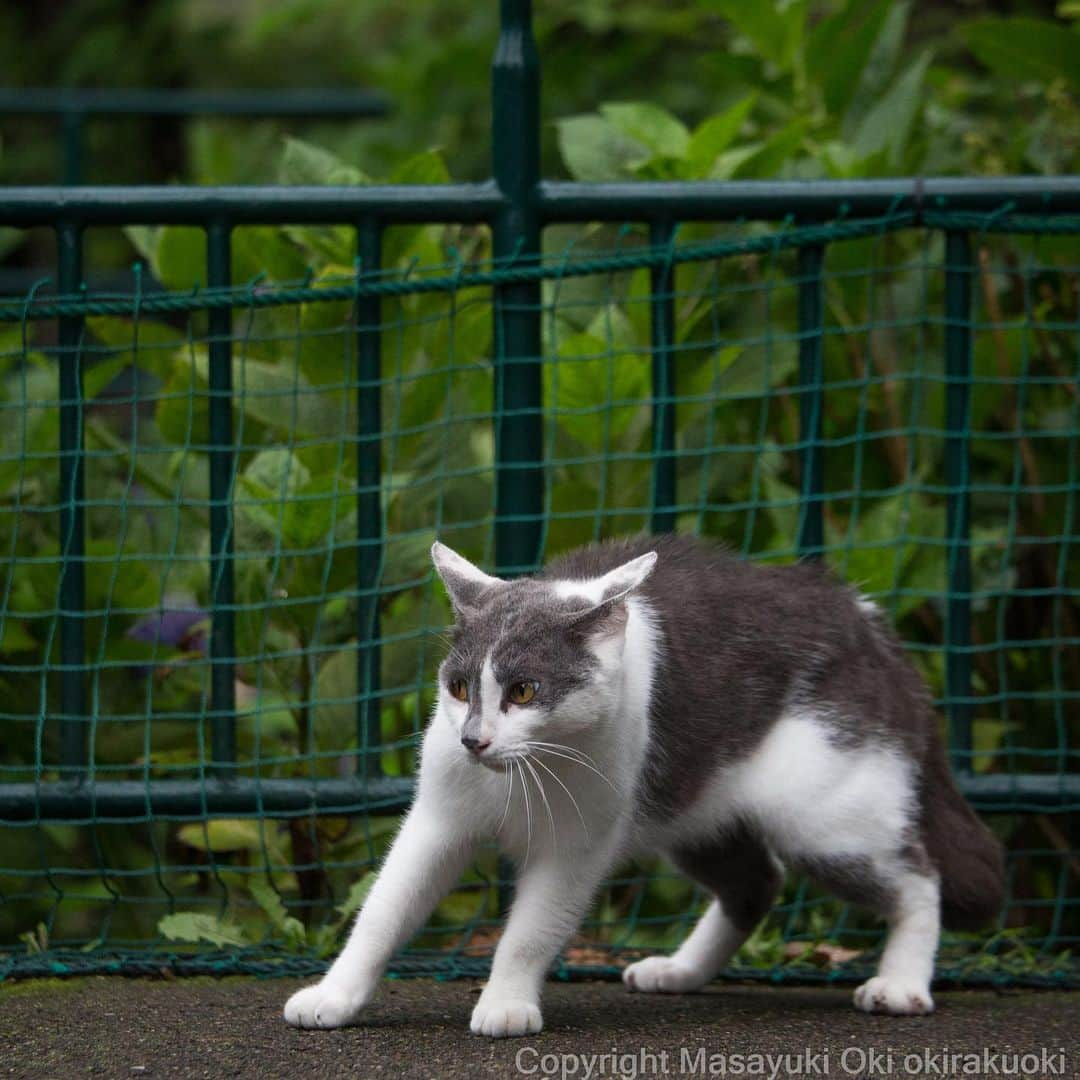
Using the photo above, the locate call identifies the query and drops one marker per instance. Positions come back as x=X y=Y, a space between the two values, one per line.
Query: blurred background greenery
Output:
x=720 y=89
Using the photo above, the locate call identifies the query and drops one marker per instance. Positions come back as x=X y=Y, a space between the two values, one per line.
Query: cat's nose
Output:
x=471 y=742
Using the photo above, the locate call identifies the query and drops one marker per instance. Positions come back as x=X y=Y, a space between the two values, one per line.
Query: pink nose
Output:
x=470 y=742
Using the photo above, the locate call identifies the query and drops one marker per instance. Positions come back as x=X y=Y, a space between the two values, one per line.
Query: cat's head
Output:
x=531 y=659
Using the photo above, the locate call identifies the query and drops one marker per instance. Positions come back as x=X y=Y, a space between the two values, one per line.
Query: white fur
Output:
x=567 y=812
x=613 y=584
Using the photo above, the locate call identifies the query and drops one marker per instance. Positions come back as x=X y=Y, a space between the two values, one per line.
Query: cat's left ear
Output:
x=466 y=584
x=609 y=615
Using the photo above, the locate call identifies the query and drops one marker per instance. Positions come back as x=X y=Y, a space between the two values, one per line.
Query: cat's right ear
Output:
x=465 y=584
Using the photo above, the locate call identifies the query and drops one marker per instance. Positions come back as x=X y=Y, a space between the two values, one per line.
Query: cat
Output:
x=660 y=695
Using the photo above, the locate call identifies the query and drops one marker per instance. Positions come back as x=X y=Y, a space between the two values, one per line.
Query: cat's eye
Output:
x=459 y=688
x=521 y=693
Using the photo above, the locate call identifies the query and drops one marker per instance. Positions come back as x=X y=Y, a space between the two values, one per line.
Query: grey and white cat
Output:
x=660 y=695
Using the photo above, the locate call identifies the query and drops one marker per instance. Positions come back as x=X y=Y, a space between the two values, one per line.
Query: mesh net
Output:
x=270 y=894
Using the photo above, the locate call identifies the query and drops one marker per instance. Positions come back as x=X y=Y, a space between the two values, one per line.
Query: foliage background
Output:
x=788 y=89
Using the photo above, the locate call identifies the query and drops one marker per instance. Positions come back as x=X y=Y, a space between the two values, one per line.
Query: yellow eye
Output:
x=521 y=693
x=460 y=689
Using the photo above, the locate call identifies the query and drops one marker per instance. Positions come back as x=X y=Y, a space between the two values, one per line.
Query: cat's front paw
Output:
x=505 y=1019
x=322 y=1006
x=662 y=975
x=898 y=997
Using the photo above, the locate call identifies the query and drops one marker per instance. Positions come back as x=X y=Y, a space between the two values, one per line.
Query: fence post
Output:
x=519 y=481
x=222 y=468
x=811 y=540
x=369 y=531
x=74 y=743
x=662 y=311
x=72 y=123
x=958 y=277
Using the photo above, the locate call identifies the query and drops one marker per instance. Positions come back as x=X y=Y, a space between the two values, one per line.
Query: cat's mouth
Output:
x=499 y=762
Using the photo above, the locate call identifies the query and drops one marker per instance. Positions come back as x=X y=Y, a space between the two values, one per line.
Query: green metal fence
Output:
x=218 y=628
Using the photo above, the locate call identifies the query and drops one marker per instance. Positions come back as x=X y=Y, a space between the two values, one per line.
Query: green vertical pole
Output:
x=662 y=311
x=73 y=146
x=519 y=483
x=515 y=148
x=811 y=538
x=958 y=281
x=74 y=733
x=369 y=549
x=222 y=469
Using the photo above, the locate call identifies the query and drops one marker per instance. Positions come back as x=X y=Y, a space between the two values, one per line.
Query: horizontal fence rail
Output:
x=75 y=107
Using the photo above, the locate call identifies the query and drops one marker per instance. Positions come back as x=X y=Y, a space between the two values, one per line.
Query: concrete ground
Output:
x=113 y=1027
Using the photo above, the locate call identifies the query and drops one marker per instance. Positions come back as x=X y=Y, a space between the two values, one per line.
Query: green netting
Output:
x=269 y=894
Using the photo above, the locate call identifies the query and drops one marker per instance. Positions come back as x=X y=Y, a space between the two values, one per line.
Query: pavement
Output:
x=116 y=1027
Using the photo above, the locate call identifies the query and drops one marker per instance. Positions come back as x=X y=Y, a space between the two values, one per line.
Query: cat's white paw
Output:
x=505 y=1019
x=898 y=997
x=662 y=975
x=322 y=1006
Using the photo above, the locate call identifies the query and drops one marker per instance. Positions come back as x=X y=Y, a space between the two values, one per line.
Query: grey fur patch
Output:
x=740 y=870
x=743 y=642
x=531 y=635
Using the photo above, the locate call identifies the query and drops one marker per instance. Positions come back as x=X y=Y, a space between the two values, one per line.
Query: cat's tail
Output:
x=966 y=854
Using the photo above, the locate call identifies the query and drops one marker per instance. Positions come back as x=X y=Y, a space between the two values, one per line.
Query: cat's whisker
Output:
x=509 y=793
x=576 y=761
x=569 y=794
x=528 y=817
x=527 y=762
x=569 y=749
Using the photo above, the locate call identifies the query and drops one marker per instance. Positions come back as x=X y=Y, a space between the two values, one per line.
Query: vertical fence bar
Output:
x=72 y=125
x=74 y=734
x=369 y=529
x=662 y=311
x=958 y=284
x=222 y=468
x=519 y=483
x=811 y=539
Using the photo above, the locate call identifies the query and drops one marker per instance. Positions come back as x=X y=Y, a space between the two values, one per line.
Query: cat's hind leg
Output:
x=902 y=985
x=744 y=878
x=901 y=886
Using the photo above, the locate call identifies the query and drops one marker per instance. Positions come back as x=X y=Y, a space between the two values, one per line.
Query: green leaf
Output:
x=714 y=135
x=650 y=125
x=14 y=638
x=593 y=149
x=425 y=168
x=194 y=927
x=595 y=389
x=305 y=163
x=880 y=68
x=268 y=898
x=357 y=895
x=280 y=397
x=334 y=719
x=222 y=834
x=180 y=258
x=776 y=152
x=888 y=124
x=775 y=28
x=839 y=50
x=263 y=250
x=1018 y=49
x=987 y=737
x=148 y=345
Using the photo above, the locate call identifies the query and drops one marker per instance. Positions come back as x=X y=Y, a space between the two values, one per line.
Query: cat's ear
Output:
x=466 y=584
x=608 y=616
x=617 y=584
